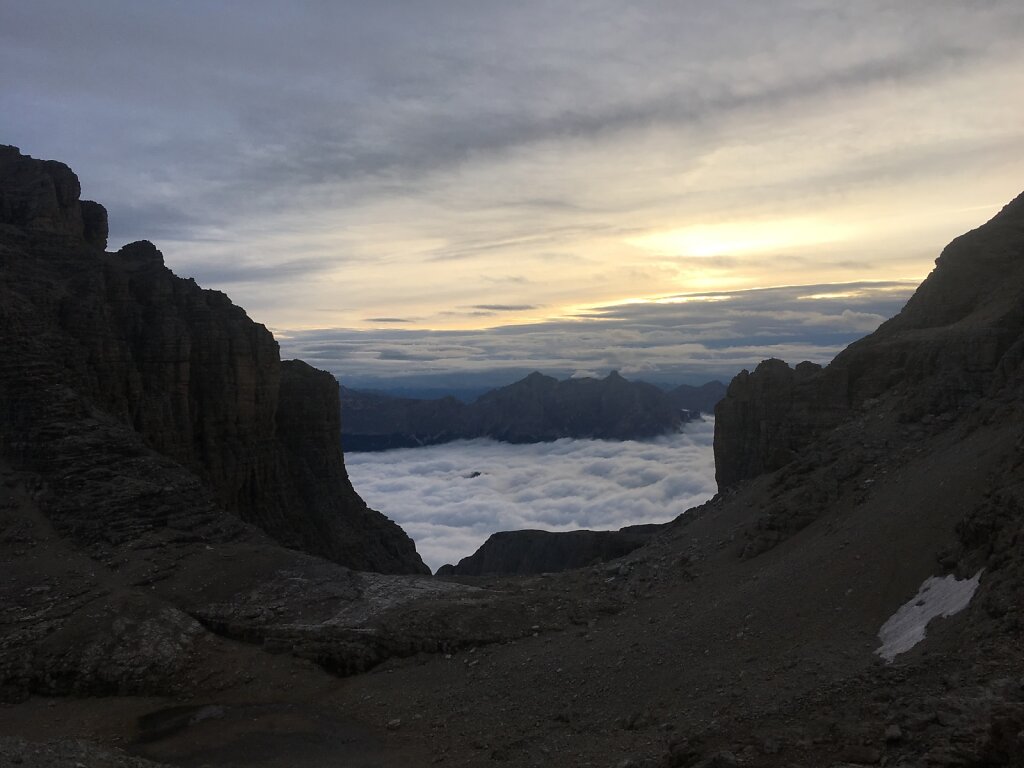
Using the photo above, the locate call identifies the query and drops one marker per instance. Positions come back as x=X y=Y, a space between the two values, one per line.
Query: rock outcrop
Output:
x=534 y=409
x=767 y=416
x=182 y=367
x=960 y=337
x=530 y=552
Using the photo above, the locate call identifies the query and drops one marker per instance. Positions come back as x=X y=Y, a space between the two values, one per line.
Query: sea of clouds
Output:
x=450 y=498
x=670 y=341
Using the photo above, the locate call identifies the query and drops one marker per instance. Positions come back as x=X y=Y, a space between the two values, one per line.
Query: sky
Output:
x=451 y=497
x=466 y=189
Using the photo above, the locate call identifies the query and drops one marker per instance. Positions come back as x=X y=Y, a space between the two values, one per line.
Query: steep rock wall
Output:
x=182 y=366
x=767 y=416
x=960 y=337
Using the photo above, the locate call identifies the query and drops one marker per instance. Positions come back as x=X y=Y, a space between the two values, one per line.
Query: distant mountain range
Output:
x=537 y=408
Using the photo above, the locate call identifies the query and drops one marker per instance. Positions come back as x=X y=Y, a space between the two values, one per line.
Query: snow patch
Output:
x=938 y=596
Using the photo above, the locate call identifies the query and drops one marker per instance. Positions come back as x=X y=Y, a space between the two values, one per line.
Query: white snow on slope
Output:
x=938 y=596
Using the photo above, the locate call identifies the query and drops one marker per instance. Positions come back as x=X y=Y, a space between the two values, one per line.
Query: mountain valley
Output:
x=189 y=579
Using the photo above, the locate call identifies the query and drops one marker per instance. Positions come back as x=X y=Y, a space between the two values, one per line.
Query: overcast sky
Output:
x=391 y=178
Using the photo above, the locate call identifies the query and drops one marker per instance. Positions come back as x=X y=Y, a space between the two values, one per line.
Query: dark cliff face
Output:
x=41 y=197
x=531 y=552
x=960 y=335
x=181 y=366
x=959 y=338
x=334 y=521
x=768 y=415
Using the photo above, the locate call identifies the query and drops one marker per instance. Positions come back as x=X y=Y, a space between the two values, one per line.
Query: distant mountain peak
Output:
x=536 y=408
x=535 y=378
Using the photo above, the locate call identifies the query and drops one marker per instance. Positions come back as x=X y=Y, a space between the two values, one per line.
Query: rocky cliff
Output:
x=768 y=415
x=182 y=367
x=531 y=552
x=747 y=632
x=534 y=409
x=960 y=337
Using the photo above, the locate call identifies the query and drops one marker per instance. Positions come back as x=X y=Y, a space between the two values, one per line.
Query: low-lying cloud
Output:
x=399 y=161
x=451 y=497
x=674 y=339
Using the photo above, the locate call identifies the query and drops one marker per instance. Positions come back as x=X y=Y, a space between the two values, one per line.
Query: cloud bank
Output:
x=451 y=497
x=671 y=340
x=438 y=162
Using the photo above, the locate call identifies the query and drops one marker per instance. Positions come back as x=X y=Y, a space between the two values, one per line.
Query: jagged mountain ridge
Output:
x=537 y=408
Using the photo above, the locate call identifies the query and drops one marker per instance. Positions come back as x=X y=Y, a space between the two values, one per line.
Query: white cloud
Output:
x=451 y=497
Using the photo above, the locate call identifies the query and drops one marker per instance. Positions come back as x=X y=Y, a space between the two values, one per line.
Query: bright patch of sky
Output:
x=666 y=340
x=462 y=166
x=450 y=498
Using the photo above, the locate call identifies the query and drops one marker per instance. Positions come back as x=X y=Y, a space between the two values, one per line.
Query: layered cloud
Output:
x=454 y=164
x=673 y=339
x=451 y=497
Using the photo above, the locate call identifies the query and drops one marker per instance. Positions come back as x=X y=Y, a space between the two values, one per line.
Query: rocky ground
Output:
x=685 y=649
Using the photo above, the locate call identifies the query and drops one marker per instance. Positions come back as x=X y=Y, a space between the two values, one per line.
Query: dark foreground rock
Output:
x=769 y=415
x=530 y=552
x=66 y=753
x=169 y=490
x=90 y=335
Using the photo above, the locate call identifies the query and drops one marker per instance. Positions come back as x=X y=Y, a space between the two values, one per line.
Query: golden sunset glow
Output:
x=742 y=237
x=396 y=174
